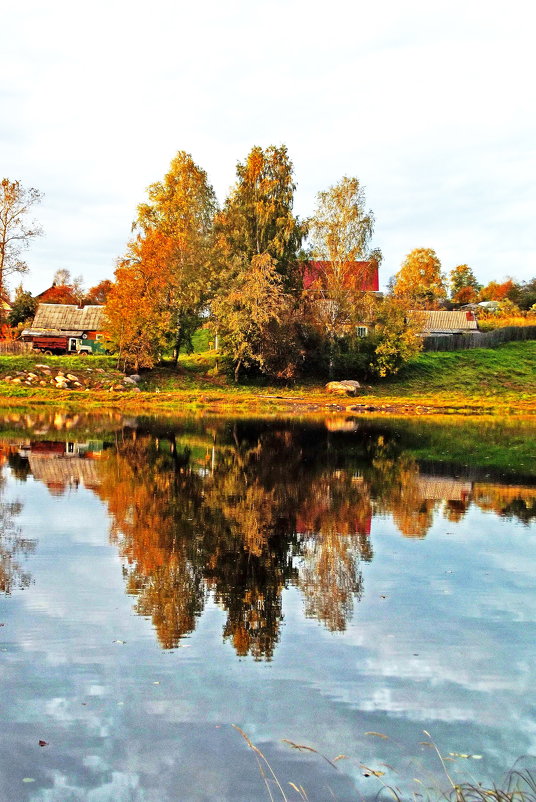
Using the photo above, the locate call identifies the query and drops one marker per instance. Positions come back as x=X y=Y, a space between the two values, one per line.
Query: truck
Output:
x=62 y=345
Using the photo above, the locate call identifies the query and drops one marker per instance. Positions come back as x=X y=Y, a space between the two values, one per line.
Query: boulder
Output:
x=346 y=387
x=129 y=380
x=135 y=377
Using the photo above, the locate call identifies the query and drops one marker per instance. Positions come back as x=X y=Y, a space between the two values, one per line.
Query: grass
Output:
x=508 y=369
x=519 y=785
x=479 y=381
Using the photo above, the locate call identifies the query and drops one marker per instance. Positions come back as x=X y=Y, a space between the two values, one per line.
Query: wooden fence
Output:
x=482 y=339
x=15 y=347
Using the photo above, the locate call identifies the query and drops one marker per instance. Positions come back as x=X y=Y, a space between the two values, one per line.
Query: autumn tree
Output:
x=138 y=312
x=341 y=229
x=181 y=208
x=497 y=291
x=257 y=217
x=419 y=282
x=464 y=286
x=99 y=293
x=16 y=231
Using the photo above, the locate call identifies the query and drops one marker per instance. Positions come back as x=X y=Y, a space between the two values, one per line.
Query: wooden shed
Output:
x=66 y=328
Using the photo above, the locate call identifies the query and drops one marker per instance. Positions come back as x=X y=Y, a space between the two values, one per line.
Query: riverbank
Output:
x=494 y=381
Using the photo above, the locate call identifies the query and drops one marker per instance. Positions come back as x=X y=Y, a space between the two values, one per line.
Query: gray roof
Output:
x=50 y=333
x=67 y=317
x=440 y=321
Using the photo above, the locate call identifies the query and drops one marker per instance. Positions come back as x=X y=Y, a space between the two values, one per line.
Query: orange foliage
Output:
x=137 y=307
x=495 y=291
x=59 y=294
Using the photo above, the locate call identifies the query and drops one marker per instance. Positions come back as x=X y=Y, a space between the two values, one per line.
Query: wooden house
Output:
x=63 y=328
x=355 y=276
x=440 y=323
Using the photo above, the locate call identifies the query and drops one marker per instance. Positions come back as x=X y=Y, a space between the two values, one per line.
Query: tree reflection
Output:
x=13 y=546
x=239 y=511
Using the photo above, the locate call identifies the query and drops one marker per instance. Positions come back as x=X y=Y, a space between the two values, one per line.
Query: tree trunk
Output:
x=177 y=347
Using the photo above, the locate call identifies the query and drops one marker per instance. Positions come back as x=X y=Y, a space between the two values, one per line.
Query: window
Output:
x=361 y=331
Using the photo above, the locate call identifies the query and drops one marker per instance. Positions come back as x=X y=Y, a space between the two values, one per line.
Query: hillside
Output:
x=509 y=370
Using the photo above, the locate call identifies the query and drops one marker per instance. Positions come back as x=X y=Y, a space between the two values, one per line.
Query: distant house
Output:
x=63 y=328
x=438 y=323
x=356 y=276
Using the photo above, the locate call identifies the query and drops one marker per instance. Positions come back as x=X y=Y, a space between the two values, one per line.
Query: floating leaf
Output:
x=43 y=743
x=340 y=757
x=378 y=735
x=119 y=641
x=28 y=780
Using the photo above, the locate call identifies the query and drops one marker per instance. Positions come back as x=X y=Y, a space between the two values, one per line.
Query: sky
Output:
x=430 y=105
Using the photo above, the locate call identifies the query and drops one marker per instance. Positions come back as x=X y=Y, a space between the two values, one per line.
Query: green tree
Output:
x=23 y=307
x=419 y=282
x=16 y=232
x=524 y=294
x=464 y=287
x=247 y=316
x=182 y=208
x=396 y=337
x=257 y=217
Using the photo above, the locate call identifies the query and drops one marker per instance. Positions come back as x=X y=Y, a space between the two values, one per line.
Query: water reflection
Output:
x=239 y=511
x=14 y=548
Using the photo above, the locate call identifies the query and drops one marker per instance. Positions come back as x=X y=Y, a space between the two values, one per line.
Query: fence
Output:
x=15 y=347
x=482 y=339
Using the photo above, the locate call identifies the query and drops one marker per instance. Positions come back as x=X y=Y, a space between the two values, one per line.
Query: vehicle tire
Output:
x=47 y=352
x=83 y=353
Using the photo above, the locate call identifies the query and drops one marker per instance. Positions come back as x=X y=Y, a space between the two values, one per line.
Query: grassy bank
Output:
x=480 y=381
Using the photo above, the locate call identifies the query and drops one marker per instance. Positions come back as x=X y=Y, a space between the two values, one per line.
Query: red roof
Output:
x=360 y=276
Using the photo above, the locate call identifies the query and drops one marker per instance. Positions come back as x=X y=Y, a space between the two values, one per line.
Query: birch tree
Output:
x=16 y=230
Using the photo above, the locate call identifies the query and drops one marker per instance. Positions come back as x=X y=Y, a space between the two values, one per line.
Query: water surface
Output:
x=342 y=585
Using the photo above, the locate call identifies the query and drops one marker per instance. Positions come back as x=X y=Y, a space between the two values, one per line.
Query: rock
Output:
x=136 y=390
x=135 y=377
x=129 y=380
x=71 y=377
x=43 y=383
x=16 y=381
x=32 y=375
x=346 y=387
x=7 y=378
x=118 y=388
x=41 y=366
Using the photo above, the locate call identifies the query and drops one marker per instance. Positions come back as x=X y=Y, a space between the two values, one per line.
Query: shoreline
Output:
x=310 y=403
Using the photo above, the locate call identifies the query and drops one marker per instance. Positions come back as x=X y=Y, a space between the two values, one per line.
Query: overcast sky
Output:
x=430 y=104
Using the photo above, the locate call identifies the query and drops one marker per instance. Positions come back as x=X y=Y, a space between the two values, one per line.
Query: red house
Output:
x=357 y=276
